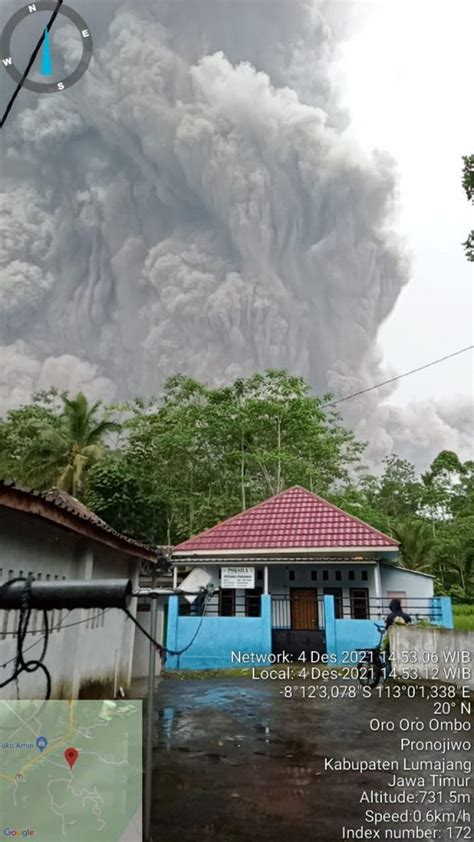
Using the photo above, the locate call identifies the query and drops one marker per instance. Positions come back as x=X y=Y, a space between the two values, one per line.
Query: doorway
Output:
x=304 y=609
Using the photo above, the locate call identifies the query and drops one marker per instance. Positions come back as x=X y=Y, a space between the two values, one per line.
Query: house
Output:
x=294 y=573
x=52 y=536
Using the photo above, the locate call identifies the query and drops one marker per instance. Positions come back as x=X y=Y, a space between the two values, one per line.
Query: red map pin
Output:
x=71 y=755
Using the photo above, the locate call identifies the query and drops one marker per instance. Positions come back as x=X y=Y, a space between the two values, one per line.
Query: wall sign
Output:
x=238 y=577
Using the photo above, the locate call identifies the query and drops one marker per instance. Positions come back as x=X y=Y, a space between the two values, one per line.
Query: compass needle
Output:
x=58 y=12
x=46 y=60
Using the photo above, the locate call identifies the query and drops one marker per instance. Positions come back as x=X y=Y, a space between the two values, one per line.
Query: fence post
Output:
x=330 y=625
x=172 y=632
x=445 y=609
x=266 y=623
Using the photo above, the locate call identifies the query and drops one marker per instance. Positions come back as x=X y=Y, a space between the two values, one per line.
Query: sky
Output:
x=406 y=77
x=215 y=197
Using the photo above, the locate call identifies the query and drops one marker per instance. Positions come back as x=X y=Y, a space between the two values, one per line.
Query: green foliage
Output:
x=468 y=185
x=197 y=455
x=417 y=544
x=53 y=442
x=463 y=617
x=205 y=454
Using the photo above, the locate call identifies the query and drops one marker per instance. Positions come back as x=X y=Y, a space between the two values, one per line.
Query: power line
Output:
x=29 y=65
x=398 y=377
x=163 y=650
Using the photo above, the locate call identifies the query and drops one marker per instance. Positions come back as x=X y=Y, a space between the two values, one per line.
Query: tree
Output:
x=468 y=185
x=454 y=555
x=439 y=486
x=416 y=544
x=399 y=492
x=17 y=430
x=62 y=448
x=116 y=492
x=203 y=454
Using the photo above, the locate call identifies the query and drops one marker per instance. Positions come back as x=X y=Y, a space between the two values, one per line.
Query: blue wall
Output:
x=217 y=638
x=443 y=611
x=347 y=635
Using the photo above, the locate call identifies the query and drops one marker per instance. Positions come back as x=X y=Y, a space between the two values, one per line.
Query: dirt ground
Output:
x=235 y=760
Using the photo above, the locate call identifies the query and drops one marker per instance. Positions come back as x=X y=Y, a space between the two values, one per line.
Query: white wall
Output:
x=439 y=654
x=279 y=583
x=91 y=658
x=142 y=645
x=413 y=584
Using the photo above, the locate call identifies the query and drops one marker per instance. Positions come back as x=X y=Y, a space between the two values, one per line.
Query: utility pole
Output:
x=99 y=593
x=149 y=716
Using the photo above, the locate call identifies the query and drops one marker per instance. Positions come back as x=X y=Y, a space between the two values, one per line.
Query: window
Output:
x=325 y=575
x=259 y=575
x=252 y=602
x=314 y=575
x=337 y=594
x=351 y=575
x=227 y=602
x=291 y=575
x=365 y=575
x=359 y=603
x=338 y=575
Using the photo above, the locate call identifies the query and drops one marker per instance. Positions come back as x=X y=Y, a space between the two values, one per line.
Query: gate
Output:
x=298 y=622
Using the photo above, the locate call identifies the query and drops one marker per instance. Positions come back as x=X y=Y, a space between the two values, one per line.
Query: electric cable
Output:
x=33 y=665
x=59 y=627
x=30 y=64
x=398 y=377
x=163 y=650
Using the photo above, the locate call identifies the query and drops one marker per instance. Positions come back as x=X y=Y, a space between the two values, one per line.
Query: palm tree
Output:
x=64 y=447
x=416 y=544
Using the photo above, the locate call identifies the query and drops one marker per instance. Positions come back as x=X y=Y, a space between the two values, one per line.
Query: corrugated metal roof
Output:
x=293 y=520
x=62 y=501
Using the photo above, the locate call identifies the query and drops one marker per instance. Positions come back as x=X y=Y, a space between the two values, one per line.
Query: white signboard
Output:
x=238 y=577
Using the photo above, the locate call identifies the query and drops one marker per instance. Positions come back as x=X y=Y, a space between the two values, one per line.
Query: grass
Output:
x=197 y=674
x=463 y=617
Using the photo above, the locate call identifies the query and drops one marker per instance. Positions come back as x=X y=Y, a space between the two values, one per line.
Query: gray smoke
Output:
x=197 y=204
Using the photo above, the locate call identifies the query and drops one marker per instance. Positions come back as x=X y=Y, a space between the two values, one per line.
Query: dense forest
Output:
x=165 y=469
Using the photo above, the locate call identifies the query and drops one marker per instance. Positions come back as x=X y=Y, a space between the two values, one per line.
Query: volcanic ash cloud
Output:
x=199 y=206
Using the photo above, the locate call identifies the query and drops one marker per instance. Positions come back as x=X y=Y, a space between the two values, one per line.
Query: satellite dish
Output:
x=194 y=583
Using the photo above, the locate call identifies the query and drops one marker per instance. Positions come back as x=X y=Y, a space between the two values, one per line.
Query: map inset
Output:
x=71 y=770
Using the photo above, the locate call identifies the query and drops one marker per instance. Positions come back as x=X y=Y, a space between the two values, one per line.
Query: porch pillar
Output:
x=175 y=577
x=265 y=579
x=330 y=625
x=172 y=662
x=266 y=624
x=377 y=581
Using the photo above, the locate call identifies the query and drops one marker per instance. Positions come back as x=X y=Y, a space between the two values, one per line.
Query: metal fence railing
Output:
x=298 y=612
x=226 y=603
x=306 y=611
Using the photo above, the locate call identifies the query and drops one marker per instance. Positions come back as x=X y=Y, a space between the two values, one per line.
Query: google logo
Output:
x=25 y=834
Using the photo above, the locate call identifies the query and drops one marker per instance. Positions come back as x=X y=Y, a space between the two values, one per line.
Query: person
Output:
x=396 y=617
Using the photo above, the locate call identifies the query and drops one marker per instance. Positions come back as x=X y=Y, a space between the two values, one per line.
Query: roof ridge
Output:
x=239 y=514
x=251 y=525
x=55 y=499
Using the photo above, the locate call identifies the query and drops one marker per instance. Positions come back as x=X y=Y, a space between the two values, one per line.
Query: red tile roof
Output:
x=296 y=519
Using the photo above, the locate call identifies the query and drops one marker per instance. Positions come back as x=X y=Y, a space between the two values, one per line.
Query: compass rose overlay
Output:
x=46 y=87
